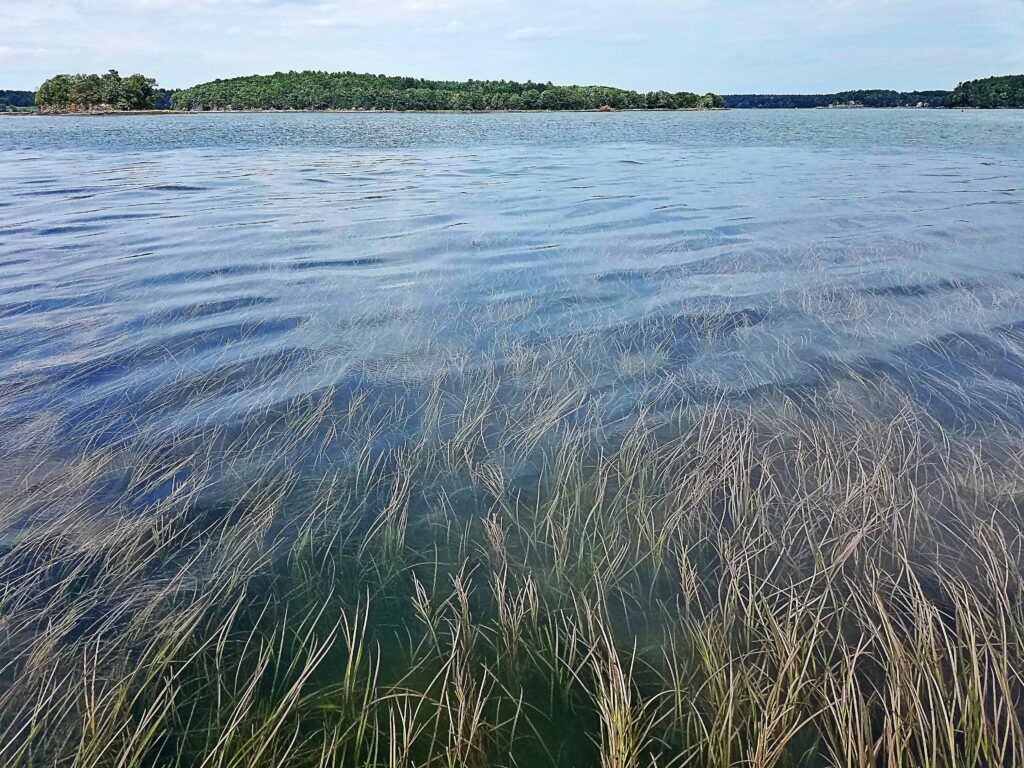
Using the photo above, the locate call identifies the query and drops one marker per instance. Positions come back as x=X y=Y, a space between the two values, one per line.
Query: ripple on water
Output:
x=183 y=271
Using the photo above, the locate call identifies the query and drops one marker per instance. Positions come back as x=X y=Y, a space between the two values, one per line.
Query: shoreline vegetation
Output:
x=348 y=91
x=863 y=98
x=351 y=92
x=180 y=113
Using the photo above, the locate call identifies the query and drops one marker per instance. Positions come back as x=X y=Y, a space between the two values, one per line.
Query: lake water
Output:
x=166 y=274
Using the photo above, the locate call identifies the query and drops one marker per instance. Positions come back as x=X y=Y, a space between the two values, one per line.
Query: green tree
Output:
x=86 y=92
x=531 y=99
x=55 y=93
x=138 y=92
x=110 y=90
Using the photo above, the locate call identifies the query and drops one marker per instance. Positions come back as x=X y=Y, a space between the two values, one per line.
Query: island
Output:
x=97 y=93
x=352 y=91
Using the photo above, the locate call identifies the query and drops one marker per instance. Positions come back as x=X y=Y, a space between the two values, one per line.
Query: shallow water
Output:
x=511 y=439
x=164 y=272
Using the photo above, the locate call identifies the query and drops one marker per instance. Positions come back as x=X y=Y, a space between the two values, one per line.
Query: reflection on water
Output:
x=154 y=276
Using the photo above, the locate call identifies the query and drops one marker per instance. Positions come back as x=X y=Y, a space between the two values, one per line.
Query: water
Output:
x=600 y=421
x=166 y=274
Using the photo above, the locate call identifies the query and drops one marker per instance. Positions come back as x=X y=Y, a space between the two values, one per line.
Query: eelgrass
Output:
x=533 y=559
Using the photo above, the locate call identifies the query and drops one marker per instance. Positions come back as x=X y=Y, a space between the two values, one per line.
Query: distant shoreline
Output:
x=168 y=112
x=182 y=113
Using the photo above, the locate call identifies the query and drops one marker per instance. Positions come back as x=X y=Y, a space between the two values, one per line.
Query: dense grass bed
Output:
x=485 y=566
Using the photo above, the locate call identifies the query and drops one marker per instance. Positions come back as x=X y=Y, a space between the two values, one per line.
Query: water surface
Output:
x=160 y=274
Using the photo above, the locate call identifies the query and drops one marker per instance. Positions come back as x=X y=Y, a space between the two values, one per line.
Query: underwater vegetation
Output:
x=497 y=564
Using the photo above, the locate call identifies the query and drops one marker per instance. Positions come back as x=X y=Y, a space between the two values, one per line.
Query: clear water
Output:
x=164 y=273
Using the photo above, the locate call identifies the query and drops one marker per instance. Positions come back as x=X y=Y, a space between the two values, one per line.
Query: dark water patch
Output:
x=366 y=261
x=658 y=273
x=965 y=380
x=206 y=309
x=683 y=335
x=172 y=188
x=1011 y=331
x=39 y=306
x=221 y=336
x=238 y=376
x=958 y=354
x=62 y=192
x=68 y=229
x=119 y=216
x=132 y=358
x=173 y=279
x=243 y=224
x=920 y=289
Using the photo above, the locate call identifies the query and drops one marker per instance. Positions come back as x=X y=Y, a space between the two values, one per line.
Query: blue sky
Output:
x=727 y=46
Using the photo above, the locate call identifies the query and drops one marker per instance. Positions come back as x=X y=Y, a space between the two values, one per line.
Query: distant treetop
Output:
x=16 y=100
x=109 y=92
x=865 y=98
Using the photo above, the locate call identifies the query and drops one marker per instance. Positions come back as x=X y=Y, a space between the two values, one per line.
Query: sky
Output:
x=725 y=46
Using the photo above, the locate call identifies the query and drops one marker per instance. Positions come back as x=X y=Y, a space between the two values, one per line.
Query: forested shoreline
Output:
x=17 y=101
x=990 y=93
x=314 y=91
x=352 y=91
x=861 y=98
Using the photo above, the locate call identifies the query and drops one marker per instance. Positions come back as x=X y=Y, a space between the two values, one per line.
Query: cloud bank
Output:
x=723 y=45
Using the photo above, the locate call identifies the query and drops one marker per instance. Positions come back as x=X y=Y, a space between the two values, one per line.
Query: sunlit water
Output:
x=173 y=273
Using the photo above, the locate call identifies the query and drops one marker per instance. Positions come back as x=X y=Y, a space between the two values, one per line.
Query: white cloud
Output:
x=429 y=6
x=453 y=27
x=631 y=38
x=536 y=33
x=9 y=52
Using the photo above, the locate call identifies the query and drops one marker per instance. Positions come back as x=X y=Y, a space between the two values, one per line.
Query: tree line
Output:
x=349 y=90
x=863 y=98
x=72 y=93
x=990 y=93
x=16 y=101
x=163 y=97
